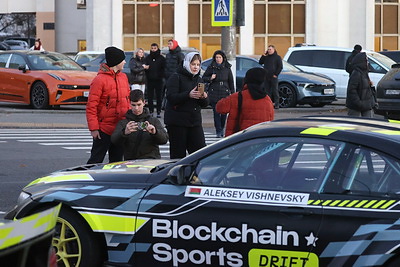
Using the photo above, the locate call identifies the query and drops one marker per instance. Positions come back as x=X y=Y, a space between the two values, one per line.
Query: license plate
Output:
x=330 y=91
x=86 y=94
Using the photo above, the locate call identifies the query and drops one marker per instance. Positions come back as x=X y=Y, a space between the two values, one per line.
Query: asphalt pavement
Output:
x=21 y=116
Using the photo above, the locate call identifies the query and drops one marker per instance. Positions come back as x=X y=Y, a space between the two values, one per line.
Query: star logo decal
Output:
x=311 y=239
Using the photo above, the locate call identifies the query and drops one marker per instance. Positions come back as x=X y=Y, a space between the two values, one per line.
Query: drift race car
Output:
x=311 y=191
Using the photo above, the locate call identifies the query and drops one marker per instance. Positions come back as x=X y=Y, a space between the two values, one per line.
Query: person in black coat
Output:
x=140 y=134
x=182 y=115
x=138 y=68
x=359 y=99
x=155 y=74
x=273 y=65
x=219 y=76
x=174 y=58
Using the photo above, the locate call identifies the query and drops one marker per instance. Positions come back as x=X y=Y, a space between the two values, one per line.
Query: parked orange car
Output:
x=42 y=79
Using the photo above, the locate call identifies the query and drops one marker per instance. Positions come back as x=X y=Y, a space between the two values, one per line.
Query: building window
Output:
x=278 y=22
x=146 y=22
x=81 y=4
x=386 y=25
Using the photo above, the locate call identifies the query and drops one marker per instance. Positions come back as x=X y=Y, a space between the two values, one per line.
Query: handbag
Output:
x=374 y=99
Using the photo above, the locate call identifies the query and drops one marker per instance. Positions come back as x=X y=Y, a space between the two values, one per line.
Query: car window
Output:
x=368 y=172
x=3 y=60
x=244 y=64
x=375 y=67
x=52 y=61
x=16 y=61
x=319 y=58
x=273 y=164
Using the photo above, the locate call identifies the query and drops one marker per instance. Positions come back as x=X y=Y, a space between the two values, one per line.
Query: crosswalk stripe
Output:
x=69 y=139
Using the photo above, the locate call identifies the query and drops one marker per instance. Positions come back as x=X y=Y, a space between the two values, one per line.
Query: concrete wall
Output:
x=71 y=24
x=340 y=23
x=103 y=24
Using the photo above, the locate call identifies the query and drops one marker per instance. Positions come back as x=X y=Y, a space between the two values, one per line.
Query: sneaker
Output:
x=159 y=116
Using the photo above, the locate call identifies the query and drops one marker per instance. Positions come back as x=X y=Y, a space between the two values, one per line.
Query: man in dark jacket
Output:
x=273 y=65
x=140 y=134
x=174 y=58
x=154 y=75
x=359 y=99
x=349 y=66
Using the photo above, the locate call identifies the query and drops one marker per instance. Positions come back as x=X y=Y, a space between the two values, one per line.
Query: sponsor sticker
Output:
x=267 y=257
x=247 y=195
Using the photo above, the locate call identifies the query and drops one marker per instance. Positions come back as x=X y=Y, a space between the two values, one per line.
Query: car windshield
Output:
x=52 y=61
x=287 y=67
x=386 y=61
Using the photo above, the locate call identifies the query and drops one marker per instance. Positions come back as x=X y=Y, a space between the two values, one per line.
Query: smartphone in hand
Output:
x=200 y=88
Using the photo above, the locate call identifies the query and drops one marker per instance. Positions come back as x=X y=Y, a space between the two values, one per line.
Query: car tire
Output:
x=287 y=96
x=39 y=96
x=75 y=243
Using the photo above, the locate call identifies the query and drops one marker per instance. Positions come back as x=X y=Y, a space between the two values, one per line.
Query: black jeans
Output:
x=154 y=86
x=185 y=138
x=271 y=85
x=100 y=148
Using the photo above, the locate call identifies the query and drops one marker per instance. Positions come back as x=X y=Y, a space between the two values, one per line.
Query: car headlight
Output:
x=65 y=86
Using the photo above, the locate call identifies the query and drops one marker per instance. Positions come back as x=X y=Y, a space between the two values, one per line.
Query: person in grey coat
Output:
x=140 y=133
x=359 y=99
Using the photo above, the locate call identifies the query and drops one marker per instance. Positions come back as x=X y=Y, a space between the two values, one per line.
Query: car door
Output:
x=246 y=205
x=360 y=206
x=4 y=76
x=18 y=86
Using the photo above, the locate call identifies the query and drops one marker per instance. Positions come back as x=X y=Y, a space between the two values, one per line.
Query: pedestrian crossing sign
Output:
x=221 y=12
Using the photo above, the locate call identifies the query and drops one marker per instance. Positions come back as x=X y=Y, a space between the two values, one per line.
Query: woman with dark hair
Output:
x=183 y=110
x=219 y=76
x=359 y=99
x=37 y=46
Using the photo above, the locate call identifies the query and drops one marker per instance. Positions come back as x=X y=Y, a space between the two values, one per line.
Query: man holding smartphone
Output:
x=140 y=133
x=273 y=65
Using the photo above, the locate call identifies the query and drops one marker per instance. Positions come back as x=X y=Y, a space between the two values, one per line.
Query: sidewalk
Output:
x=74 y=117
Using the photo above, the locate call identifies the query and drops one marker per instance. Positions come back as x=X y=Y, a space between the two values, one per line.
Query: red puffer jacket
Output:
x=253 y=111
x=108 y=100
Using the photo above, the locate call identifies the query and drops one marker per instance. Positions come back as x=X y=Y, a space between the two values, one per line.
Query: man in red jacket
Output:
x=107 y=104
x=256 y=105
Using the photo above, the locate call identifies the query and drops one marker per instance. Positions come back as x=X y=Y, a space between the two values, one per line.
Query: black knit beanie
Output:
x=114 y=56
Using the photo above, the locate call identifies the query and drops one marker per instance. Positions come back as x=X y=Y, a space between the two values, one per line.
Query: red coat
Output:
x=253 y=111
x=108 y=100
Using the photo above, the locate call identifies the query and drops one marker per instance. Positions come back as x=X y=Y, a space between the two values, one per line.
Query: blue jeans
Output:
x=219 y=120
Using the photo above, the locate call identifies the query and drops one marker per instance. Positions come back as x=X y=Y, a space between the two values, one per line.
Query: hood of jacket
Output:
x=154 y=54
x=360 y=62
x=142 y=117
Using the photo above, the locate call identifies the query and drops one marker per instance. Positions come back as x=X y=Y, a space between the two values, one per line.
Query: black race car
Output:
x=311 y=191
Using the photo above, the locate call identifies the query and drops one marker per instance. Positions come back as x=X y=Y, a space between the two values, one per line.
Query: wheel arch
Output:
x=49 y=100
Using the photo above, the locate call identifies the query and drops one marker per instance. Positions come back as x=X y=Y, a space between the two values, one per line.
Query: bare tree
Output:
x=19 y=24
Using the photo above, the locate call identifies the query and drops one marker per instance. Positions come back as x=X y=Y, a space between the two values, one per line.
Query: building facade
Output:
x=69 y=25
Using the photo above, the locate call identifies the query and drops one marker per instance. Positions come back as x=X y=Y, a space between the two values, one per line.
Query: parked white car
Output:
x=331 y=61
x=86 y=56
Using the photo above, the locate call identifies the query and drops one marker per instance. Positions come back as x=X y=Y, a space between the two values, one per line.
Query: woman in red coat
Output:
x=107 y=104
x=256 y=105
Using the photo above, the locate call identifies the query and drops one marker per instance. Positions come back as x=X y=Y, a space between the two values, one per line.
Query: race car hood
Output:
x=127 y=171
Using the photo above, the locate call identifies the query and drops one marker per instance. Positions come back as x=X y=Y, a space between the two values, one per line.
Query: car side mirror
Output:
x=22 y=67
x=180 y=174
